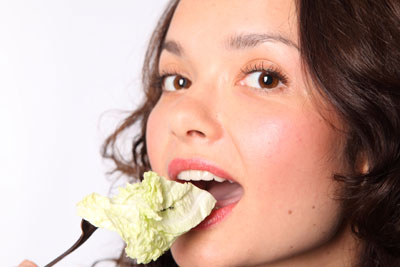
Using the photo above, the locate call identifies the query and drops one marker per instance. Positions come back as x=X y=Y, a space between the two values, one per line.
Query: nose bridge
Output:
x=194 y=115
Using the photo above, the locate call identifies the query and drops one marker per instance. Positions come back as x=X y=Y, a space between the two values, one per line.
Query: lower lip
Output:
x=215 y=217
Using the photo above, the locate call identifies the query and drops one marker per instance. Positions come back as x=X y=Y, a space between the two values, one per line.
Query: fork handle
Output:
x=87 y=230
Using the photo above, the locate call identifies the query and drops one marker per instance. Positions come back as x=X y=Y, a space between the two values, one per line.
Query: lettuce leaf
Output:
x=150 y=215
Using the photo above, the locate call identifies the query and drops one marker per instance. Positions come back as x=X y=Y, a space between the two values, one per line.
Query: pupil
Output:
x=267 y=80
x=182 y=82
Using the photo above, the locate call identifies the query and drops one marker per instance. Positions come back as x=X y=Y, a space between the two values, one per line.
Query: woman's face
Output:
x=236 y=105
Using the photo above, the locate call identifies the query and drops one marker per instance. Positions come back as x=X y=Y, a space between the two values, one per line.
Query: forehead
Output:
x=217 y=19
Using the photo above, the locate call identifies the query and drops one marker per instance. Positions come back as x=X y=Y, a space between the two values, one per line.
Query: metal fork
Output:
x=87 y=230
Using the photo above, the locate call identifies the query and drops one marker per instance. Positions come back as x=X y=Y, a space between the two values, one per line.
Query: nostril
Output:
x=194 y=133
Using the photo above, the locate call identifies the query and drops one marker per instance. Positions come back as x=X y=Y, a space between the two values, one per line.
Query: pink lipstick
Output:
x=227 y=193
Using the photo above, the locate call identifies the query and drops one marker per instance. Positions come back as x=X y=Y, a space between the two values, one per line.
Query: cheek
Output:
x=289 y=169
x=263 y=139
x=265 y=142
x=156 y=124
x=287 y=140
x=292 y=157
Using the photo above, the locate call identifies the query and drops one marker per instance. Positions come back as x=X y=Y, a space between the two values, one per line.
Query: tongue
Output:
x=225 y=193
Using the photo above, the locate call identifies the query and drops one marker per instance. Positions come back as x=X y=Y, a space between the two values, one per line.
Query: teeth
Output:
x=196 y=175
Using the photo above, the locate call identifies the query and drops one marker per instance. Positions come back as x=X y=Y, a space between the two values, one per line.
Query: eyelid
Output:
x=262 y=65
x=251 y=67
x=168 y=72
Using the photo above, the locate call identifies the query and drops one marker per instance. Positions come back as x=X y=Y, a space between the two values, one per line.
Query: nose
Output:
x=194 y=118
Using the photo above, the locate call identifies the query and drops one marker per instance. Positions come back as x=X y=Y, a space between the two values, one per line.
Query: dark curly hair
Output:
x=351 y=51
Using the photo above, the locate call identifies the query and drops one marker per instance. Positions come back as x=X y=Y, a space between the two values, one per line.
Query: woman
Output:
x=296 y=103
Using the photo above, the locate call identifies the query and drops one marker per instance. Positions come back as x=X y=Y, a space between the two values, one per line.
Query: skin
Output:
x=27 y=263
x=273 y=142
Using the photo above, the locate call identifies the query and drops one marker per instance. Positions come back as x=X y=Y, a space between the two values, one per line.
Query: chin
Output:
x=200 y=256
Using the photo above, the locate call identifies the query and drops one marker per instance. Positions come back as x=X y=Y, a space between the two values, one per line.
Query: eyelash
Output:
x=248 y=69
x=161 y=76
x=272 y=70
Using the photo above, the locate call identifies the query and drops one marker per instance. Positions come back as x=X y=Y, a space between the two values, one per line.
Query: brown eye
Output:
x=267 y=80
x=176 y=82
x=262 y=80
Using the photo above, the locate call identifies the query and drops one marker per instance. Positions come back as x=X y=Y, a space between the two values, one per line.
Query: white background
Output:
x=65 y=67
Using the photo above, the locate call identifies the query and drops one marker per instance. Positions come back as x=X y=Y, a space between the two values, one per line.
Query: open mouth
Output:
x=225 y=191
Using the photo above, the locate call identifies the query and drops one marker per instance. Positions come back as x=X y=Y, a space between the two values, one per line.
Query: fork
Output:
x=87 y=230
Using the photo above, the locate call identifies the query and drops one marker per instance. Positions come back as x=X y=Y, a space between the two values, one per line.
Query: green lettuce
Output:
x=150 y=215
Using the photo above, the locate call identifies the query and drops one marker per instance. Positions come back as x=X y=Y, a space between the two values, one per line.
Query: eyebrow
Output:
x=172 y=47
x=244 y=41
x=239 y=41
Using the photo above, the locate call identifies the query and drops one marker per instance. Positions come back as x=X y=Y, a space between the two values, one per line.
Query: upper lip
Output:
x=179 y=164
